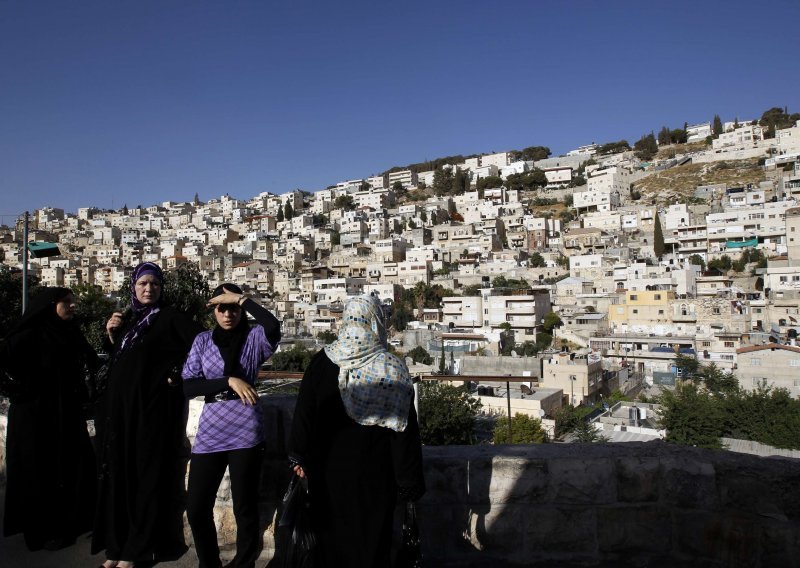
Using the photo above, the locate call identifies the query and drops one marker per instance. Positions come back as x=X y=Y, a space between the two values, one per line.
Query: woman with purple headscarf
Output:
x=140 y=428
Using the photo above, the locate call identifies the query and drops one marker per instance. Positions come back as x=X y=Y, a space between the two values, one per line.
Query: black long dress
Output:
x=140 y=429
x=354 y=471
x=50 y=490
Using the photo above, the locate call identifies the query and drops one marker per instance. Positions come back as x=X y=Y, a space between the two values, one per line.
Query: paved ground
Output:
x=13 y=554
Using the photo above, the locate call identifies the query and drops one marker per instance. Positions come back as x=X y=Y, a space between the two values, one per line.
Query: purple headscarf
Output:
x=144 y=315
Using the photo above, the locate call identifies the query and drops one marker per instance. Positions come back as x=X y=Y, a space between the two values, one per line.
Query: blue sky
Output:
x=110 y=103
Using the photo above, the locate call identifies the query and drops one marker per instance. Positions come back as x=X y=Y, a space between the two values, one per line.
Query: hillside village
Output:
x=610 y=263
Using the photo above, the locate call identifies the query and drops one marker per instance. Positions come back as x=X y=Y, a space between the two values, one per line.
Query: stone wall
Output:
x=584 y=504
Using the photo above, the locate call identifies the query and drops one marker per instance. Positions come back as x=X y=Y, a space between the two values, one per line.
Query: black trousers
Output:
x=205 y=474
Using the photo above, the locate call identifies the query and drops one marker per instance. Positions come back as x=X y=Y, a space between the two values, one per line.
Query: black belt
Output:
x=222 y=396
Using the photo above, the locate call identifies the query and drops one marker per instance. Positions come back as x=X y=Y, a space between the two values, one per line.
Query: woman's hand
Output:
x=228 y=297
x=299 y=471
x=112 y=324
x=245 y=391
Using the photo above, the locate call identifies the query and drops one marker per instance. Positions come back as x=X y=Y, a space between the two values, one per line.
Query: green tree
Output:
x=524 y=430
x=280 y=216
x=420 y=355
x=777 y=118
x=692 y=416
x=344 y=202
x=543 y=340
x=442 y=181
x=536 y=260
x=613 y=147
x=460 y=182
x=568 y=419
x=398 y=188
x=489 y=182
x=723 y=263
x=441 y=359
x=658 y=238
x=471 y=290
x=327 y=336
x=446 y=414
x=288 y=212
x=531 y=154
x=678 y=136
x=646 y=147
x=94 y=309
x=697 y=260
x=401 y=315
x=551 y=321
x=664 y=137
x=586 y=433
x=294 y=360
x=336 y=238
x=716 y=126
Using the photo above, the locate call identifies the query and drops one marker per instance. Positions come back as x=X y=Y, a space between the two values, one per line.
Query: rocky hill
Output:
x=679 y=183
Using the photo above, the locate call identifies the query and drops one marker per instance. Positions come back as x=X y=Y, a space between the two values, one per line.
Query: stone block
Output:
x=449 y=533
x=581 y=481
x=634 y=529
x=760 y=486
x=517 y=480
x=552 y=530
x=447 y=482
x=689 y=484
x=501 y=532
x=730 y=539
x=637 y=479
x=780 y=544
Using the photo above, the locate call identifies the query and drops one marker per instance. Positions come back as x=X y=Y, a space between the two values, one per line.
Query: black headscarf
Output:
x=41 y=311
x=230 y=341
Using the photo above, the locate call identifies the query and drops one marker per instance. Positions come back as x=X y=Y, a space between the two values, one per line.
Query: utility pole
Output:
x=25 y=263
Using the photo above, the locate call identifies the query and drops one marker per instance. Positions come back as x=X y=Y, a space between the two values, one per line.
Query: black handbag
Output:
x=410 y=553
x=296 y=542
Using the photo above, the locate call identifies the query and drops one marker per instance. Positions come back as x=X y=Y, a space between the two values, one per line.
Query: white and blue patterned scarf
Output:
x=375 y=385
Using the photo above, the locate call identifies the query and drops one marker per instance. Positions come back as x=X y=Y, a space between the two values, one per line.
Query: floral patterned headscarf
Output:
x=375 y=385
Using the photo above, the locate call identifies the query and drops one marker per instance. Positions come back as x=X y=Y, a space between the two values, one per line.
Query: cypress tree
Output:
x=658 y=238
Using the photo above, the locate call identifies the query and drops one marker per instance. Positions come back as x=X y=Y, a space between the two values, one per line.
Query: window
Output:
x=634 y=297
x=660 y=312
x=727 y=357
x=658 y=296
x=715 y=311
x=794 y=362
x=636 y=311
x=755 y=362
x=705 y=343
x=729 y=344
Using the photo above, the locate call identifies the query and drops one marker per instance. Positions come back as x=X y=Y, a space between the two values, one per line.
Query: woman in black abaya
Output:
x=140 y=429
x=50 y=491
x=355 y=436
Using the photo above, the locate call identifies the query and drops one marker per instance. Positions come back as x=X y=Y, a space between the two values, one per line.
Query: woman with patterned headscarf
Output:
x=140 y=428
x=356 y=438
x=50 y=490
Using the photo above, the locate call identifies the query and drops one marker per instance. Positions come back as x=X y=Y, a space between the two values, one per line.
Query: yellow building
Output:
x=643 y=311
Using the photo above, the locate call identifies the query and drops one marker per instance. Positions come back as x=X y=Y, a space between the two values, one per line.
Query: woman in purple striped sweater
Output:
x=222 y=366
